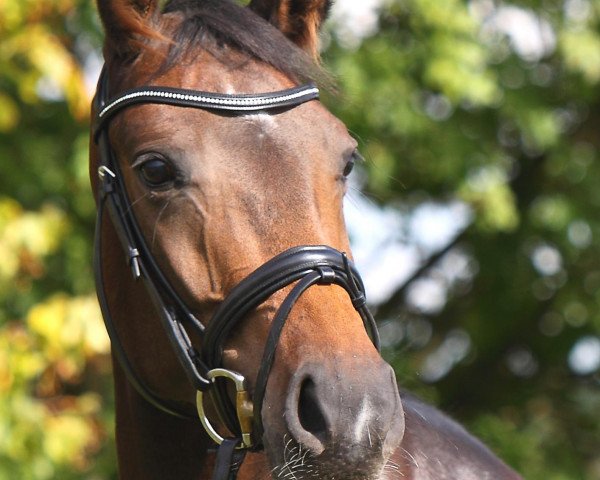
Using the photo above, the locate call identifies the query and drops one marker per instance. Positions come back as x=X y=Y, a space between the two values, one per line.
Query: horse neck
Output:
x=152 y=445
x=155 y=445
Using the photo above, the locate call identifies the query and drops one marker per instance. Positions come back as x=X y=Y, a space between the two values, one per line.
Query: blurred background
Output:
x=475 y=220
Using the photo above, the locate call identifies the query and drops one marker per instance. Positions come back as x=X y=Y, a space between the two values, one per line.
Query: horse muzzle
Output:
x=342 y=419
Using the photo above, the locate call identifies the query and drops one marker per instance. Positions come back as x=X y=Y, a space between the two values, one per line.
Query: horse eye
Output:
x=348 y=168
x=157 y=172
x=356 y=156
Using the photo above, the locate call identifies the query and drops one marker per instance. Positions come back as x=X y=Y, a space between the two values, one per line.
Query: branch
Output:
x=397 y=298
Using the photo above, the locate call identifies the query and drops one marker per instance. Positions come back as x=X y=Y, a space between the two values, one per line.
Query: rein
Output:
x=303 y=265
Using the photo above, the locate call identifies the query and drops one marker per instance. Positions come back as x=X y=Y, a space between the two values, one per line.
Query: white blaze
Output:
x=362 y=421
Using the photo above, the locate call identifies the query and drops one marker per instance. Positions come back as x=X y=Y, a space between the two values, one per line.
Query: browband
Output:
x=206 y=100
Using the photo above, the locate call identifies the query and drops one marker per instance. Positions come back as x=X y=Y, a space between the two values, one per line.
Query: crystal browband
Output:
x=207 y=100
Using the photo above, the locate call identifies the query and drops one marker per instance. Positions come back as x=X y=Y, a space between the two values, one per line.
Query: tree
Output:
x=455 y=111
x=55 y=401
x=455 y=105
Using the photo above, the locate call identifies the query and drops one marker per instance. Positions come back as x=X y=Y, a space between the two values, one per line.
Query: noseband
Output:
x=303 y=266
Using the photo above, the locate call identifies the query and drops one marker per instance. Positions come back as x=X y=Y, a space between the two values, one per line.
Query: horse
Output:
x=223 y=266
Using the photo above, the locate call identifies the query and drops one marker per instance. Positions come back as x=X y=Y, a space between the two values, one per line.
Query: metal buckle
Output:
x=244 y=408
x=103 y=170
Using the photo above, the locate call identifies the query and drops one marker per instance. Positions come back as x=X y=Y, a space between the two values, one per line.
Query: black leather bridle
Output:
x=303 y=266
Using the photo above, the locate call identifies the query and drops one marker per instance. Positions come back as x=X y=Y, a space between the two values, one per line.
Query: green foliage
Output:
x=448 y=107
x=53 y=424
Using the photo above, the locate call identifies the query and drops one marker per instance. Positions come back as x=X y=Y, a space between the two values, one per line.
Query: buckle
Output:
x=243 y=407
x=107 y=180
x=103 y=171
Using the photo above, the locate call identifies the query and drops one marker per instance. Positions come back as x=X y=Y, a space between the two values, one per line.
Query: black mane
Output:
x=210 y=24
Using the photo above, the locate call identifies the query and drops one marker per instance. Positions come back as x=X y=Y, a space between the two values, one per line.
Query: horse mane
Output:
x=213 y=24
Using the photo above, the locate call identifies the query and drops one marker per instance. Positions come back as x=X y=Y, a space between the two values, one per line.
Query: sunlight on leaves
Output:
x=9 y=113
x=581 y=51
x=69 y=328
x=36 y=59
x=487 y=191
x=27 y=237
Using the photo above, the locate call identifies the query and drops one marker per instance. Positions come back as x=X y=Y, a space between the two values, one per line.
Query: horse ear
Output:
x=128 y=25
x=299 y=20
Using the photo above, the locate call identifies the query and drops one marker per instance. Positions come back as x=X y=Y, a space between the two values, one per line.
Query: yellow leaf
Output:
x=9 y=113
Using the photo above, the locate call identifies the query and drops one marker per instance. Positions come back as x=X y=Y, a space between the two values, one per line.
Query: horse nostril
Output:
x=309 y=411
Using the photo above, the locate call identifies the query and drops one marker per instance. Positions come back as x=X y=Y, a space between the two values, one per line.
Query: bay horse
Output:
x=219 y=178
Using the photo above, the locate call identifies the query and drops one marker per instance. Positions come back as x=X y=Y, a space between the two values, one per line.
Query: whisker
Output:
x=304 y=456
x=136 y=201
x=414 y=460
x=392 y=470
x=356 y=136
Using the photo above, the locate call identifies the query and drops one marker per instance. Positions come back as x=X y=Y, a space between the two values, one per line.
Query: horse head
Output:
x=213 y=195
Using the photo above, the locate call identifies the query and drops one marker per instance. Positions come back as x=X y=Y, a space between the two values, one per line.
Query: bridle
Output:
x=303 y=266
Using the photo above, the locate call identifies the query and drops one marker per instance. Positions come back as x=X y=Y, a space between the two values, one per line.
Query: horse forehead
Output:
x=234 y=73
x=264 y=122
x=306 y=126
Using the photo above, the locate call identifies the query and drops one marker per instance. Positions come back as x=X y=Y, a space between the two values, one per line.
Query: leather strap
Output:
x=171 y=310
x=229 y=460
x=307 y=264
x=205 y=100
x=271 y=345
x=115 y=341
